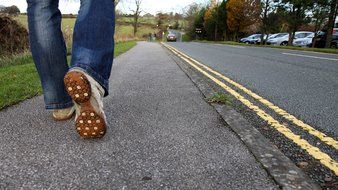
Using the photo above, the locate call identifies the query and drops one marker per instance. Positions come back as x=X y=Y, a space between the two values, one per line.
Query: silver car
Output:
x=283 y=38
x=303 y=42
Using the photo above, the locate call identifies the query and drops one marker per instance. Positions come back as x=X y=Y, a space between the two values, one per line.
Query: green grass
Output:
x=320 y=50
x=185 y=38
x=123 y=32
x=127 y=31
x=17 y=83
x=66 y=22
x=20 y=59
x=20 y=81
x=123 y=47
x=220 y=98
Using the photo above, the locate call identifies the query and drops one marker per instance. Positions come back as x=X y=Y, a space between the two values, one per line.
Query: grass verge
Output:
x=20 y=81
x=320 y=50
x=220 y=98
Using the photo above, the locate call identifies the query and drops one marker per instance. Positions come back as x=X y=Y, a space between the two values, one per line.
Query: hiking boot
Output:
x=88 y=97
x=63 y=114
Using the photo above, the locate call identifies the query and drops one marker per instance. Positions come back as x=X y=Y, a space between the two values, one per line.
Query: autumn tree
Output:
x=210 y=23
x=222 y=18
x=242 y=14
x=215 y=21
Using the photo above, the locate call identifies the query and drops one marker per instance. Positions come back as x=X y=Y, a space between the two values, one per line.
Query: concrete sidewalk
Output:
x=162 y=135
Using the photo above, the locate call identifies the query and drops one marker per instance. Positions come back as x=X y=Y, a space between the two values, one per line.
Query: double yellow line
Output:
x=315 y=152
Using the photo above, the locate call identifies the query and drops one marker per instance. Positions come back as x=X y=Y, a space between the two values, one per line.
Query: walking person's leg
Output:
x=92 y=58
x=49 y=54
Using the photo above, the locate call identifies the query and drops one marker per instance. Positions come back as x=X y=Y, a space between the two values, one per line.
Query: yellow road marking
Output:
x=323 y=137
x=315 y=152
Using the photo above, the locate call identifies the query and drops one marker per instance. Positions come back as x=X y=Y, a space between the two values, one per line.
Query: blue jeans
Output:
x=93 y=45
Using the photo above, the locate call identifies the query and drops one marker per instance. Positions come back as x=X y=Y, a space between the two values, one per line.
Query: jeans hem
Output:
x=59 y=106
x=104 y=83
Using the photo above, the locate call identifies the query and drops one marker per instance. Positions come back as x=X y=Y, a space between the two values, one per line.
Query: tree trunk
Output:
x=216 y=31
x=291 y=37
x=266 y=8
x=135 y=25
x=331 y=22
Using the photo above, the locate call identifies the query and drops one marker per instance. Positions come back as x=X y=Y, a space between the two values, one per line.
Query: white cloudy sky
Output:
x=148 y=6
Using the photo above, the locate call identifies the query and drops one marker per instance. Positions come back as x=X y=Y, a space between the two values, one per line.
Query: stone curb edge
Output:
x=284 y=172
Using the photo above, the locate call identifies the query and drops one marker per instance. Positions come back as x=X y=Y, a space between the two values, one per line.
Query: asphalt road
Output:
x=305 y=84
x=162 y=135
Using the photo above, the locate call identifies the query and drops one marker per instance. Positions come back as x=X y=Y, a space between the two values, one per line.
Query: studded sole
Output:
x=89 y=124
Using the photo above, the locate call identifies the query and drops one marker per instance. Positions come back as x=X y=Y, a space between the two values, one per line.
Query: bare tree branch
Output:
x=137 y=12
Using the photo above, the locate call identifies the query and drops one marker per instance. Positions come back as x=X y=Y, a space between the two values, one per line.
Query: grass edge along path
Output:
x=19 y=80
x=319 y=50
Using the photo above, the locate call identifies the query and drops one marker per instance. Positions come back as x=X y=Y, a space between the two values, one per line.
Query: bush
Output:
x=13 y=37
x=186 y=38
x=12 y=10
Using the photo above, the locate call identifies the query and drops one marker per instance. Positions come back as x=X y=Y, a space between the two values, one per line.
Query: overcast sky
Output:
x=148 y=6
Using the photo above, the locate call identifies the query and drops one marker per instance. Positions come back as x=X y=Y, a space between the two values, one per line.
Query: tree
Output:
x=266 y=26
x=222 y=19
x=194 y=15
x=136 y=15
x=320 y=14
x=331 y=22
x=295 y=15
x=176 y=25
x=215 y=21
x=210 y=23
x=161 y=18
x=242 y=14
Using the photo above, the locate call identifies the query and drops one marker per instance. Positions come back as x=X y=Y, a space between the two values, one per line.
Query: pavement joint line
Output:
x=315 y=152
x=310 y=56
x=306 y=127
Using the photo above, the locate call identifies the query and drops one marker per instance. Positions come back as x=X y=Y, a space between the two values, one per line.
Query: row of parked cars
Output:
x=301 y=39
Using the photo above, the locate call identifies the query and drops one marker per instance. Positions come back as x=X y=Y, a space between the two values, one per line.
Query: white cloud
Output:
x=148 y=6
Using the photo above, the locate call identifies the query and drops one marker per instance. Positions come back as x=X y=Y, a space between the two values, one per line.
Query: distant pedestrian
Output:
x=80 y=88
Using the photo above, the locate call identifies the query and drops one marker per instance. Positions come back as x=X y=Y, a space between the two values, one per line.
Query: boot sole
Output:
x=89 y=124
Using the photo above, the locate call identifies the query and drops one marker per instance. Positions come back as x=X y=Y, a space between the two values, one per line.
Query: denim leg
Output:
x=93 y=41
x=49 y=51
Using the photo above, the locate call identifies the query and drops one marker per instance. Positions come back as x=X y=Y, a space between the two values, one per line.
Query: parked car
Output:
x=283 y=38
x=171 y=37
x=258 y=40
x=334 y=43
x=321 y=40
x=251 y=38
x=303 y=42
x=271 y=36
x=278 y=39
x=335 y=31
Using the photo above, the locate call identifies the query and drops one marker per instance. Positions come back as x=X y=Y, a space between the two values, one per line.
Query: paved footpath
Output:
x=162 y=135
